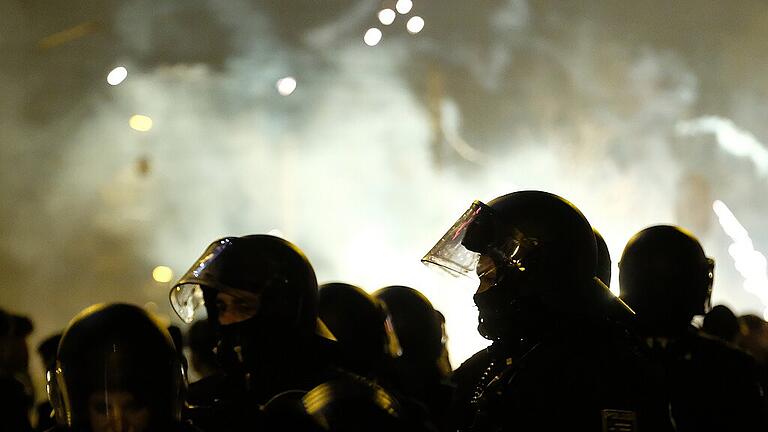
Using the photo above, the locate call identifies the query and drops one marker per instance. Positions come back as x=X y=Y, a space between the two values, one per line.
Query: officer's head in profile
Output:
x=666 y=278
x=259 y=294
x=363 y=327
x=535 y=256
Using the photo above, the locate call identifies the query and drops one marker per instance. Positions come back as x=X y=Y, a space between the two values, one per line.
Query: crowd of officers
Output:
x=279 y=353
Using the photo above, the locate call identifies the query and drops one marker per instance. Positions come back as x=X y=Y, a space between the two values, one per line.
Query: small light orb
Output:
x=372 y=36
x=415 y=24
x=162 y=274
x=387 y=16
x=404 y=6
x=140 y=123
x=286 y=86
x=117 y=75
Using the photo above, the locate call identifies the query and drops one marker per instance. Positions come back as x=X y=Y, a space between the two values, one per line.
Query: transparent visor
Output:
x=478 y=244
x=450 y=253
x=187 y=295
x=187 y=301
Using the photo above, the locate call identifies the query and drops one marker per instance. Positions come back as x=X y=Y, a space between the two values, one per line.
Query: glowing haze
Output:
x=381 y=149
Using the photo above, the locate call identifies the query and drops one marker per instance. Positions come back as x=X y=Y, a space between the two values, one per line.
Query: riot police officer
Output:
x=422 y=371
x=117 y=370
x=667 y=279
x=363 y=327
x=260 y=295
x=560 y=356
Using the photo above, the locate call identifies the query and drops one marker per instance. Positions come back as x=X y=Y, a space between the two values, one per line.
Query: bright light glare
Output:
x=372 y=36
x=415 y=24
x=140 y=123
x=450 y=295
x=162 y=274
x=286 y=86
x=404 y=6
x=750 y=263
x=117 y=75
x=387 y=16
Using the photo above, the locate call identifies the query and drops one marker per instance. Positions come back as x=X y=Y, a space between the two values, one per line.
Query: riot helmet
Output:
x=258 y=291
x=268 y=269
x=535 y=255
x=362 y=326
x=117 y=369
x=665 y=277
x=418 y=325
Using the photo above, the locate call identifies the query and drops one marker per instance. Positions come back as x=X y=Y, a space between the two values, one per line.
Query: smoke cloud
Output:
x=627 y=112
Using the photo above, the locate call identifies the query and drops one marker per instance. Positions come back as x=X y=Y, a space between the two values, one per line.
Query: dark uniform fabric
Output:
x=346 y=403
x=587 y=377
x=224 y=402
x=710 y=385
x=14 y=405
x=181 y=427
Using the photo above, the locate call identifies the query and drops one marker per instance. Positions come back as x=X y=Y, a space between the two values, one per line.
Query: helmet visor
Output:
x=187 y=301
x=187 y=295
x=458 y=251
x=480 y=246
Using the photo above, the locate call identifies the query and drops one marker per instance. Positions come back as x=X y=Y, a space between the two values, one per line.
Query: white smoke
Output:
x=365 y=165
x=737 y=142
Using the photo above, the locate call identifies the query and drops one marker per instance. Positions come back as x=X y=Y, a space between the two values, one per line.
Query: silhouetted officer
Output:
x=422 y=372
x=362 y=326
x=117 y=370
x=260 y=295
x=667 y=279
x=561 y=358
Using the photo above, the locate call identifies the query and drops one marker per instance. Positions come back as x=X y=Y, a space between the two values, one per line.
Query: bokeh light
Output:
x=140 y=123
x=415 y=24
x=404 y=6
x=387 y=16
x=162 y=274
x=286 y=86
x=372 y=36
x=117 y=75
